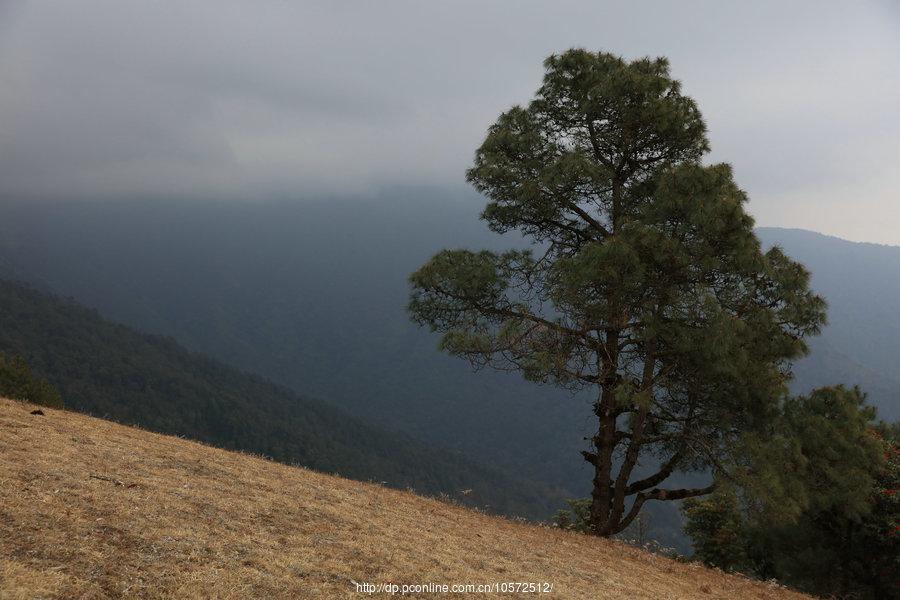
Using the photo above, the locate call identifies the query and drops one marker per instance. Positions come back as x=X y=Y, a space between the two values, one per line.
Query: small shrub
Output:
x=19 y=383
x=715 y=525
x=576 y=518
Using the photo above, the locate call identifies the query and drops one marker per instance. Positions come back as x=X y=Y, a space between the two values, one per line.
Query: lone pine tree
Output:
x=645 y=281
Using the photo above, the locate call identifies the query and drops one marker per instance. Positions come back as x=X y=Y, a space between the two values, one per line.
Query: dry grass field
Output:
x=91 y=509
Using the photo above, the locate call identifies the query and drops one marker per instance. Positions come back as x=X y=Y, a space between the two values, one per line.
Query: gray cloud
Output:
x=116 y=99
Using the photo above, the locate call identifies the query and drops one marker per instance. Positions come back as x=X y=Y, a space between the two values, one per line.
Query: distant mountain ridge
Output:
x=861 y=343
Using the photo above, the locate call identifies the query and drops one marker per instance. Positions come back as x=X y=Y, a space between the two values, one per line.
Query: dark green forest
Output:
x=114 y=372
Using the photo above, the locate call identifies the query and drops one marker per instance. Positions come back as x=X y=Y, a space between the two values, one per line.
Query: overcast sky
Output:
x=259 y=98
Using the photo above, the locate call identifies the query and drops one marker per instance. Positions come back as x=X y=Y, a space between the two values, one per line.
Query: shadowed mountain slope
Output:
x=112 y=371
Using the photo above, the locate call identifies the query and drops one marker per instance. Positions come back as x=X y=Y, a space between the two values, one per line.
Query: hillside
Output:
x=110 y=370
x=89 y=508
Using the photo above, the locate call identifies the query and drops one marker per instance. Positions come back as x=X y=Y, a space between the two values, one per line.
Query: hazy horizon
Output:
x=120 y=100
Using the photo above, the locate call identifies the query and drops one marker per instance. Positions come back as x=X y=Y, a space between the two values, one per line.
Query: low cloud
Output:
x=117 y=99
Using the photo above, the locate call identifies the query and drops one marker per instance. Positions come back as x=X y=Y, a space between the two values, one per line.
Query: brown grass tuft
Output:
x=92 y=509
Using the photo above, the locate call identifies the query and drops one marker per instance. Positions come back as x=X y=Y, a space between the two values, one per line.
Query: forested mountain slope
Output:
x=112 y=371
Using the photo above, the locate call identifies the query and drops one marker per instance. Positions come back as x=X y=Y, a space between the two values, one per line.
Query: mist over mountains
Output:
x=861 y=343
x=312 y=294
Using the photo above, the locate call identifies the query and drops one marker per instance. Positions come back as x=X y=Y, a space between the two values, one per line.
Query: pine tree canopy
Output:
x=644 y=282
x=838 y=536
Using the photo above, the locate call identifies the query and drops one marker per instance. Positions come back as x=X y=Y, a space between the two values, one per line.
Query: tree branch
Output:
x=509 y=313
x=667 y=469
x=659 y=494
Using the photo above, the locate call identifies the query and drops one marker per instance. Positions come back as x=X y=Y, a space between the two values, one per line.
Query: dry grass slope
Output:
x=91 y=509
